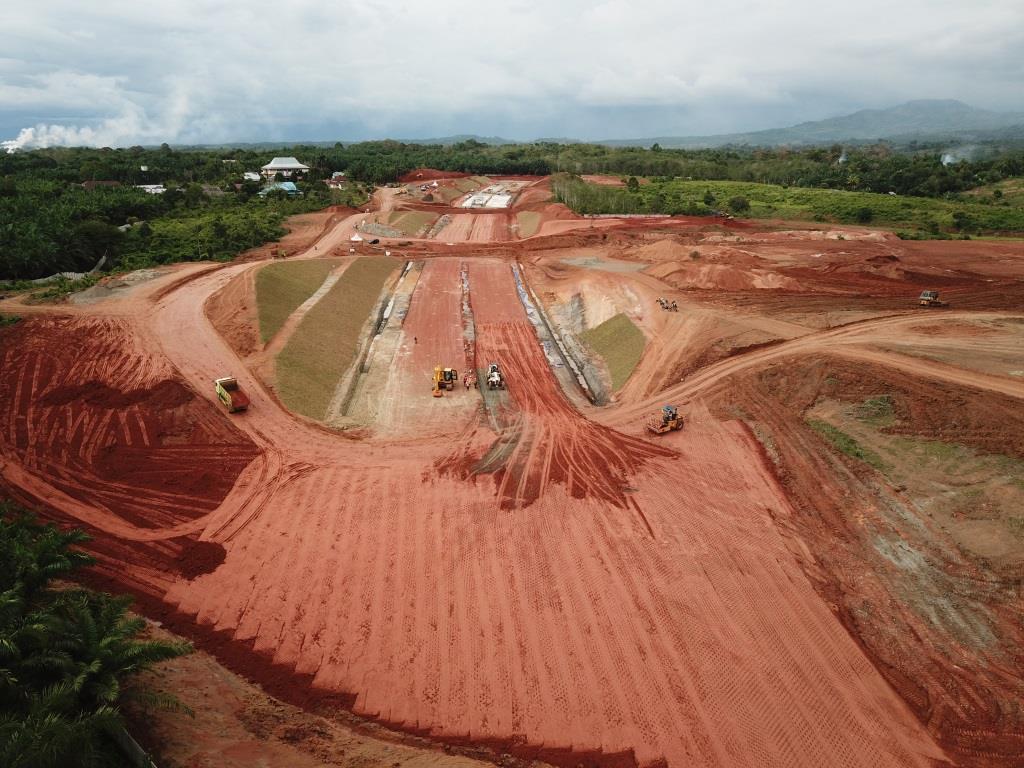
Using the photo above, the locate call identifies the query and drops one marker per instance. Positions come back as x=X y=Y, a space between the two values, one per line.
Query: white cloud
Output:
x=202 y=70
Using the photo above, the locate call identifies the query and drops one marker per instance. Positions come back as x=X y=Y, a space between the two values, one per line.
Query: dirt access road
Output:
x=556 y=587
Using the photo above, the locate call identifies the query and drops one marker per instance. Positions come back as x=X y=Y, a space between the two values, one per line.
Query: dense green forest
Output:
x=50 y=223
x=66 y=654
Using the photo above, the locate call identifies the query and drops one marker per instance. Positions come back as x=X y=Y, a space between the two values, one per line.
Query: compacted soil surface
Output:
x=798 y=577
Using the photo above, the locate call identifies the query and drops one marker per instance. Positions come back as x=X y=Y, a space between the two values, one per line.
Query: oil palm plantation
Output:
x=64 y=651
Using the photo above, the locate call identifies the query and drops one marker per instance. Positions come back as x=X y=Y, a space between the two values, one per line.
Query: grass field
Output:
x=620 y=343
x=282 y=287
x=411 y=223
x=917 y=216
x=529 y=222
x=1009 y=192
x=323 y=346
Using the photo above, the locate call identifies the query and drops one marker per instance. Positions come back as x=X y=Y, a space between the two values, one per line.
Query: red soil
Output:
x=429 y=174
x=589 y=596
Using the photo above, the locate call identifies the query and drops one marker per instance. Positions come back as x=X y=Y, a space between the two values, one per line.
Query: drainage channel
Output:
x=566 y=368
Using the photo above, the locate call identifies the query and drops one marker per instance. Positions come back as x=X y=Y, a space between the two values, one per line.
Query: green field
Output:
x=915 y=216
x=411 y=223
x=529 y=222
x=282 y=287
x=323 y=346
x=1008 y=192
x=620 y=344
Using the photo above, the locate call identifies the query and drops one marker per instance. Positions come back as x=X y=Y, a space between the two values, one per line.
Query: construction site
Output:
x=497 y=482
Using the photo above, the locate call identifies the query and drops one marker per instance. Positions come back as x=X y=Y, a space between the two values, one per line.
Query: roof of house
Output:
x=285 y=186
x=285 y=164
x=90 y=185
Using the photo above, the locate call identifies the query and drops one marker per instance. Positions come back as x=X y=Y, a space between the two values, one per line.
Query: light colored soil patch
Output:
x=976 y=498
x=529 y=223
x=282 y=287
x=605 y=265
x=620 y=343
x=323 y=346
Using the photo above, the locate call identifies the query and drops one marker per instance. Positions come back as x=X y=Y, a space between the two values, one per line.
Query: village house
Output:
x=286 y=166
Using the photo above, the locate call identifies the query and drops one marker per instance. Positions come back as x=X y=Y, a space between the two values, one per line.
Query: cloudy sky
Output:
x=118 y=73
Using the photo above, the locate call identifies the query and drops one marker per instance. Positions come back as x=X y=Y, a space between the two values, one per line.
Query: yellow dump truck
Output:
x=230 y=394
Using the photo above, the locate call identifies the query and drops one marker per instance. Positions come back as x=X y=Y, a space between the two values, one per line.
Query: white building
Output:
x=286 y=166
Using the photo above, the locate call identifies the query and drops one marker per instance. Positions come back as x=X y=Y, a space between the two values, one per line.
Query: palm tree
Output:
x=63 y=652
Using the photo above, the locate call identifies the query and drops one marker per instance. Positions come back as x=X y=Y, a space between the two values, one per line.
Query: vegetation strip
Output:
x=845 y=444
x=620 y=343
x=281 y=288
x=915 y=217
x=325 y=343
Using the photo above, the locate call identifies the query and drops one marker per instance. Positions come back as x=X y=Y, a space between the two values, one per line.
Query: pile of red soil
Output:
x=429 y=174
x=165 y=394
x=83 y=408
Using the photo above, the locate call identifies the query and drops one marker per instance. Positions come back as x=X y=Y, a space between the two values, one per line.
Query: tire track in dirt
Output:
x=553 y=624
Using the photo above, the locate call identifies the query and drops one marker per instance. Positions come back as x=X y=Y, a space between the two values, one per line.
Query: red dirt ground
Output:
x=567 y=588
x=429 y=174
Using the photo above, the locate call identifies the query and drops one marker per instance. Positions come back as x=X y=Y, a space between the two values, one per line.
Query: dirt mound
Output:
x=163 y=395
x=198 y=557
x=430 y=174
x=661 y=250
x=88 y=411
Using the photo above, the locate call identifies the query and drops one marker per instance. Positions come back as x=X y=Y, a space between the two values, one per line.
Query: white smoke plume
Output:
x=132 y=125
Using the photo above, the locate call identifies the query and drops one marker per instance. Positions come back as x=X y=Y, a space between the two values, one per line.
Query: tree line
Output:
x=49 y=223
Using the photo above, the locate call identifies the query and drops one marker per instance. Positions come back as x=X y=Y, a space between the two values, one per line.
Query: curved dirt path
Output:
x=839 y=341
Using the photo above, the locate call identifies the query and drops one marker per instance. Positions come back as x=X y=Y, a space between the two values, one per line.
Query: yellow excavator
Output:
x=444 y=378
x=670 y=421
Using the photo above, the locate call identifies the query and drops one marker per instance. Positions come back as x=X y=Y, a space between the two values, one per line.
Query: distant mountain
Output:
x=921 y=120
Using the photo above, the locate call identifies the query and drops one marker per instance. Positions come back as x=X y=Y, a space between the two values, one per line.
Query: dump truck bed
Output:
x=231 y=394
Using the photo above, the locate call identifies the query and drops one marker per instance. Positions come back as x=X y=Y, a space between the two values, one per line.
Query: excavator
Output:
x=670 y=421
x=444 y=378
x=931 y=299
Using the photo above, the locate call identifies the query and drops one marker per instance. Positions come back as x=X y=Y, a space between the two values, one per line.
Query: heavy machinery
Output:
x=670 y=421
x=931 y=299
x=444 y=378
x=495 y=379
x=229 y=393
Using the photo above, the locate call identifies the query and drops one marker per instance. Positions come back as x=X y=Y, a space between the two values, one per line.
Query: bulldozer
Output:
x=230 y=394
x=670 y=421
x=495 y=378
x=931 y=299
x=444 y=378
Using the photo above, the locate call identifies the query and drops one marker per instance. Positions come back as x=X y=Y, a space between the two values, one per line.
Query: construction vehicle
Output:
x=229 y=393
x=495 y=379
x=444 y=378
x=931 y=299
x=670 y=421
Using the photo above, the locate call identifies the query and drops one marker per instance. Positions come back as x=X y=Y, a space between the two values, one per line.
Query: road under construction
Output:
x=517 y=569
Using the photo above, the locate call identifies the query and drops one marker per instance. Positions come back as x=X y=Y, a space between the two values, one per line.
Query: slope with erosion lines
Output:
x=676 y=626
